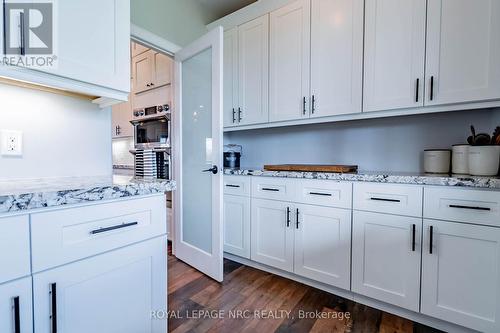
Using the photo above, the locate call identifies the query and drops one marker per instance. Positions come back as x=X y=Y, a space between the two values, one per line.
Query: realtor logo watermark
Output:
x=29 y=34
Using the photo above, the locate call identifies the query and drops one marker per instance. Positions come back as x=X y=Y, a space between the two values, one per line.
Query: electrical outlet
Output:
x=11 y=143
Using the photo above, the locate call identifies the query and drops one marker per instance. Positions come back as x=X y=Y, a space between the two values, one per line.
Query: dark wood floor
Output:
x=245 y=288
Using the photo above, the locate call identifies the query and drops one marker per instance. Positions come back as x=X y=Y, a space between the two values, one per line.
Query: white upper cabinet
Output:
x=230 y=102
x=162 y=70
x=460 y=276
x=336 y=57
x=290 y=61
x=394 y=54
x=137 y=49
x=93 y=42
x=463 y=51
x=253 y=63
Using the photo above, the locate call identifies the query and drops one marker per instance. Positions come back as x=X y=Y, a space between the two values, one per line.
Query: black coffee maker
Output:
x=232 y=156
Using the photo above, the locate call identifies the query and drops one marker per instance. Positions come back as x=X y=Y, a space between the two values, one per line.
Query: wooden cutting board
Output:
x=312 y=168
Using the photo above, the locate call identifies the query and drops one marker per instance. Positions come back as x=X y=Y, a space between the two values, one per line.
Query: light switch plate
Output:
x=11 y=143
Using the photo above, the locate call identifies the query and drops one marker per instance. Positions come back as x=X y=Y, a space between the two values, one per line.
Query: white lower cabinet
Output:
x=108 y=293
x=323 y=244
x=386 y=252
x=461 y=277
x=237 y=225
x=272 y=233
x=16 y=311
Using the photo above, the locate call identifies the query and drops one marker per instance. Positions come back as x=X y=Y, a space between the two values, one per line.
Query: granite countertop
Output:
x=19 y=195
x=381 y=177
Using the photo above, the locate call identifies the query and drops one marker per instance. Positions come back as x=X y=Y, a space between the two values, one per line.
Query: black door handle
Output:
x=213 y=170
x=53 y=301
x=431 y=236
x=297 y=217
x=287 y=217
x=413 y=232
x=17 y=318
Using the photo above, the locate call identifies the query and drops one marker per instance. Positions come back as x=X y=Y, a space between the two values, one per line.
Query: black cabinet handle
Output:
x=431 y=236
x=432 y=88
x=17 y=315
x=53 y=302
x=413 y=231
x=213 y=170
x=287 y=217
x=304 y=106
x=297 y=216
x=231 y=185
x=417 y=90
x=321 y=194
x=384 y=199
x=470 y=207
x=270 y=189
x=234 y=115
x=239 y=115
x=313 y=104
x=115 y=227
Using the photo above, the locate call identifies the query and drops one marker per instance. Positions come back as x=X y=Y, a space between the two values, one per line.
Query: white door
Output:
x=394 y=54
x=16 y=310
x=323 y=244
x=289 y=61
x=460 y=278
x=198 y=154
x=463 y=51
x=386 y=258
x=272 y=232
x=336 y=57
x=253 y=62
x=237 y=225
x=113 y=292
x=230 y=107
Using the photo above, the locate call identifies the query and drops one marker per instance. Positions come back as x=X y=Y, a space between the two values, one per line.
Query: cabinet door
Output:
x=162 y=70
x=463 y=51
x=272 y=234
x=253 y=62
x=336 y=57
x=323 y=244
x=121 y=115
x=289 y=61
x=394 y=54
x=142 y=72
x=230 y=106
x=93 y=42
x=138 y=49
x=385 y=264
x=112 y=292
x=16 y=310
x=237 y=225
x=460 y=278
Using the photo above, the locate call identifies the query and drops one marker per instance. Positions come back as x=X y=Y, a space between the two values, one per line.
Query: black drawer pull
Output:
x=231 y=185
x=321 y=194
x=413 y=231
x=287 y=217
x=383 y=199
x=470 y=207
x=297 y=222
x=270 y=189
x=119 y=226
x=17 y=315
x=431 y=236
x=53 y=301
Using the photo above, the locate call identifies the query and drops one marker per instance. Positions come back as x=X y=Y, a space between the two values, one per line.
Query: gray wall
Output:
x=62 y=136
x=387 y=144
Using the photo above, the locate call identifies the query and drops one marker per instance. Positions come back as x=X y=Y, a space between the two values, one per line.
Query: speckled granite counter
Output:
x=381 y=177
x=39 y=193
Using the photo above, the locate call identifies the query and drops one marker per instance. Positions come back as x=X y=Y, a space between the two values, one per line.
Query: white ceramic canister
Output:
x=484 y=160
x=437 y=160
x=460 y=159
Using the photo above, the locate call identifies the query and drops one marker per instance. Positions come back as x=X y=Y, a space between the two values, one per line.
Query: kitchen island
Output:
x=83 y=254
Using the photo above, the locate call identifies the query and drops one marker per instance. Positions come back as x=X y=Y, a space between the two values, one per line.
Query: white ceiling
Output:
x=220 y=8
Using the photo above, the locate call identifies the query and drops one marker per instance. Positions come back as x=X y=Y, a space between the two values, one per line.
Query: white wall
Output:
x=63 y=136
x=388 y=144
x=121 y=151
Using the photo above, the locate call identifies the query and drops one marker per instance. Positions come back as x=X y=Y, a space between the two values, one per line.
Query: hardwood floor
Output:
x=199 y=304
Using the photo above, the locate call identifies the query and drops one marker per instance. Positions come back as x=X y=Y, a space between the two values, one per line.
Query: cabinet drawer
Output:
x=14 y=247
x=237 y=185
x=388 y=198
x=325 y=193
x=274 y=188
x=67 y=235
x=462 y=205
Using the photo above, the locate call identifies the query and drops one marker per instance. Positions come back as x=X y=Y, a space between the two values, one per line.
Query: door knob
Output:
x=213 y=170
